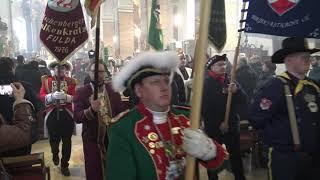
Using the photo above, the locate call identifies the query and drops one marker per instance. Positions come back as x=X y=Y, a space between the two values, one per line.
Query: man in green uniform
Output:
x=151 y=140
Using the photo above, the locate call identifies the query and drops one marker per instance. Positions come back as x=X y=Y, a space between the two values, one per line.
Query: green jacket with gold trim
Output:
x=136 y=152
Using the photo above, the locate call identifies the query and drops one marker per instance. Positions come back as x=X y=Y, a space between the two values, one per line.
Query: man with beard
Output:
x=59 y=116
x=95 y=116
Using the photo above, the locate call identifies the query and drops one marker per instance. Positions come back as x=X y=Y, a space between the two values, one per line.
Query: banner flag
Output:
x=63 y=28
x=217 y=24
x=290 y=18
x=155 y=38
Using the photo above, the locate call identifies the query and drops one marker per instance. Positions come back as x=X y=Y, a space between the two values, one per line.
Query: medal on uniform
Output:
x=313 y=107
x=152 y=145
x=175 y=169
x=146 y=127
x=310 y=99
x=153 y=136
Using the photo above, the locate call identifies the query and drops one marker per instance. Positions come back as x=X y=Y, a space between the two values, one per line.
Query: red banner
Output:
x=63 y=28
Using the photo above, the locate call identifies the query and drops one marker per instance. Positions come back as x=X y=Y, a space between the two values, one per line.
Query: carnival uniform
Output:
x=58 y=128
x=137 y=150
x=94 y=130
x=269 y=112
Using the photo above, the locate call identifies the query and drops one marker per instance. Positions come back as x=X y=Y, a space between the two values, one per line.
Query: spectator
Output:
x=18 y=134
x=246 y=77
x=315 y=71
x=7 y=77
x=43 y=68
x=255 y=64
x=20 y=62
x=30 y=73
x=268 y=72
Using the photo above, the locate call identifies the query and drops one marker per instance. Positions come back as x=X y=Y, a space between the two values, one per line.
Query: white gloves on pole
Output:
x=198 y=145
x=59 y=95
x=63 y=97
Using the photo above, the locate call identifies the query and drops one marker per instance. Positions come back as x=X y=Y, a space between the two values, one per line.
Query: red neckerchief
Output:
x=219 y=77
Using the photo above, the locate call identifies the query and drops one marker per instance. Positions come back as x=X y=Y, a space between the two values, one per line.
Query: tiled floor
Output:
x=77 y=163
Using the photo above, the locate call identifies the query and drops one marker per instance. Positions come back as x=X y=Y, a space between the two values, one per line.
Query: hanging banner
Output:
x=217 y=26
x=63 y=28
x=290 y=18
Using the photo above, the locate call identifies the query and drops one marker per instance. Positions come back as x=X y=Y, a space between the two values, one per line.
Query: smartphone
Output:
x=5 y=89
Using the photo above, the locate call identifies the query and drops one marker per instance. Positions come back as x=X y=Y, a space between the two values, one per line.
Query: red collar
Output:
x=219 y=77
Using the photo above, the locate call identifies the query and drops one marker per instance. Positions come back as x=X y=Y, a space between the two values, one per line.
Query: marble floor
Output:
x=77 y=163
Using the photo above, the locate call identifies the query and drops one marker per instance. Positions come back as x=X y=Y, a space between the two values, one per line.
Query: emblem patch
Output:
x=265 y=104
x=282 y=6
x=313 y=107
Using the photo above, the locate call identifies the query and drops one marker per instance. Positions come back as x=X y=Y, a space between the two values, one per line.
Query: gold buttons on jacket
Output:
x=153 y=136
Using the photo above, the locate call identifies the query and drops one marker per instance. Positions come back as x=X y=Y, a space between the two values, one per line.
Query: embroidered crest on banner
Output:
x=282 y=6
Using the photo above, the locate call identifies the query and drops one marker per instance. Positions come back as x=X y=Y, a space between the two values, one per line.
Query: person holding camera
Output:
x=17 y=134
x=7 y=77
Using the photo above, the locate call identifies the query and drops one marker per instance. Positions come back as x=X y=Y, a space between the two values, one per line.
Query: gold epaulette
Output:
x=119 y=116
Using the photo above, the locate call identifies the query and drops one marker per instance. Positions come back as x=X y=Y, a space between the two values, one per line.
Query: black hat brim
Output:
x=278 y=56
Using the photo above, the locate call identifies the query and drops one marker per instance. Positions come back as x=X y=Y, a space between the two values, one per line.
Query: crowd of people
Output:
x=141 y=113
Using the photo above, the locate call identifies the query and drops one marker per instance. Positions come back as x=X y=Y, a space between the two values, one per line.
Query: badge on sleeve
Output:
x=265 y=104
x=313 y=107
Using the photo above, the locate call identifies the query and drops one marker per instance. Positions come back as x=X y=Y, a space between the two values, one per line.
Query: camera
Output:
x=5 y=89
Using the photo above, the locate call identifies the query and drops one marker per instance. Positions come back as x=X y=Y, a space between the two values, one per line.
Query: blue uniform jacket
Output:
x=269 y=112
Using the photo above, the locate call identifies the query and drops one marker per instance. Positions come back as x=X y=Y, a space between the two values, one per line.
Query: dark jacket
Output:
x=315 y=73
x=214 y=102
x=178 y=90
x=31 y=75
x=83 y=113
x=263 y=79
x=44 y=71
x=269 y=112
x=7 y=103
x=247 y=79
x=18 y=134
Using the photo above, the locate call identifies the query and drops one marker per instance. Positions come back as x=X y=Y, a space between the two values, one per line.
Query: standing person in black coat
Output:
x=43 y=68
x=246 y=77
x=215 y=92
x=268 y=72
x=29 y=73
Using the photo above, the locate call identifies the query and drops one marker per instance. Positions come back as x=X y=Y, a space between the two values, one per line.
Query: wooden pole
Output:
x=58 y=89
x=234 y=68
x=197 y=86
x=96 y=63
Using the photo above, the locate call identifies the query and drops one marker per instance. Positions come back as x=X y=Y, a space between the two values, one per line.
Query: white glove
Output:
x=49 y=99
x=198 y=145
x=69 y=98
x=59 y=95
